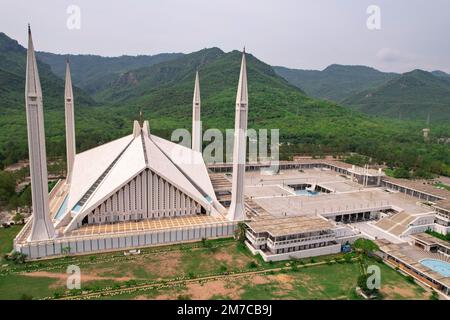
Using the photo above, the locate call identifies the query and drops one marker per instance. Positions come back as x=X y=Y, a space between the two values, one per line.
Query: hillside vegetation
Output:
x=93 y=73
x=336 y=82
x=164 y=93
x=412 y=95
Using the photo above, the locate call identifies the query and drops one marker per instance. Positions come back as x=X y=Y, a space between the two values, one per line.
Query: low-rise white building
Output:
x=291 y=237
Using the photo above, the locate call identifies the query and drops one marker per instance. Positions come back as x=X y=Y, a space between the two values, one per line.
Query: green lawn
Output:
x=187 y=261
x=329 y=281
x=14 y=287
x=7 y=236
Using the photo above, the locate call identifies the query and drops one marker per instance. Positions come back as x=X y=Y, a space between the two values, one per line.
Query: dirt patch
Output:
x=285 y=280
x=224 y=257
x=160 y=297
x=259 y=280
x=206 y=290
x=405 y=292
x=165 y=265
x=231 y=260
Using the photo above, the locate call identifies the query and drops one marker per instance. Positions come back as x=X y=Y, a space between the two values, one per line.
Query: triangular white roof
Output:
x=90 y=164
x=101 y=171
x=131 y=162
x=189 y=161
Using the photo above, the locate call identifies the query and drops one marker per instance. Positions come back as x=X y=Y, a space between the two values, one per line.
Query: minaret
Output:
x=196 y=124
x=237 y=208
x=70 y=124
x=42 y=228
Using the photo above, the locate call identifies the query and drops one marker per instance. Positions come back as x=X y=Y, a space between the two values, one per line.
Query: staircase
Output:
x=396 y=224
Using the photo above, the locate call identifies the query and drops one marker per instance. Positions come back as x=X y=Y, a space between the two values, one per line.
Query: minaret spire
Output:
x=237 y=207
x=70 y=124
x=196 y=123
x=42 y=227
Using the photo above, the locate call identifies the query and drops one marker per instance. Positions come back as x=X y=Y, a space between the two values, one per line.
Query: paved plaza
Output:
x=274 y=194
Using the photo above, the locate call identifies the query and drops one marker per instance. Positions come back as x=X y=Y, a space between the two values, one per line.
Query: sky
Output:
x=402 y=34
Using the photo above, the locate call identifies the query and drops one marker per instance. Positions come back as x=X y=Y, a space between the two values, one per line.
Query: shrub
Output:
x=223 y=268
x=26 y=296
x=410 y=279
x=434 y=295
x=16 y=257
x=348 y=258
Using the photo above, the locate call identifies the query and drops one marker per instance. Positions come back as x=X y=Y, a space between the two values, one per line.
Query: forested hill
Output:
x=93 y=73
x=164 y=93
x=167 y=88
x=413 y=95
x=12 y=80
x=336 y=82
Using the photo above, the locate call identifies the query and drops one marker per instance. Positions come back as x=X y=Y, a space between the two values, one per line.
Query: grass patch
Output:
x=441 y=185
x=7 y=236
x=328 y=281
x=14 y=287
x=439 y=235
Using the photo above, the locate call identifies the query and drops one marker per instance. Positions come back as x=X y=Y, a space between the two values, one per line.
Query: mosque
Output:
x=142 y=190
x=135 y=191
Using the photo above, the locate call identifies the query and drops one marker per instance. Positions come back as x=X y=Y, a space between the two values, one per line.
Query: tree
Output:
x=65 y=250
x=240 y=232
x=7 y=187
x=364 y=245
x=18 y=218
x=401 y=173
x=17 y=257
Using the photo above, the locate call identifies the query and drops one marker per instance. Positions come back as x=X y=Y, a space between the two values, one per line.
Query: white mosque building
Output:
x=135 y=191
x=141 y=190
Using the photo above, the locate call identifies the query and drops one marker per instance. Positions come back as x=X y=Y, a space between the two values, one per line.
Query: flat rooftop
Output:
x=430 y=240
x=443 y=204
x=146 y=225
x=275 y=195
x=420 y=186
x=412 y=257
x=291 y=225
x=98 y=230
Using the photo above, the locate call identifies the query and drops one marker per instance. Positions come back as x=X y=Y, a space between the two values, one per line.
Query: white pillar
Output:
x=196 y=123
x=70 y=124
x=237 y=207
x=42 y=228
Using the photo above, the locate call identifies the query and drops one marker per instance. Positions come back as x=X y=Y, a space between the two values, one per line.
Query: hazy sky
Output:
x=299 y=34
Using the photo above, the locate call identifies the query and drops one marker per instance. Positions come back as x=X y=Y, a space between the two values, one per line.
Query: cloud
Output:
x=389 y=55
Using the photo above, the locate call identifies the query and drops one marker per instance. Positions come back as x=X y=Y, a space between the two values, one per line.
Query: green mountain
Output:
x=412 y=95
x=164 y=93
x=441 y=74
x=13 y=143
x=93 y=73
x=12 y=80
x=336 y=82
x=166 y=89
